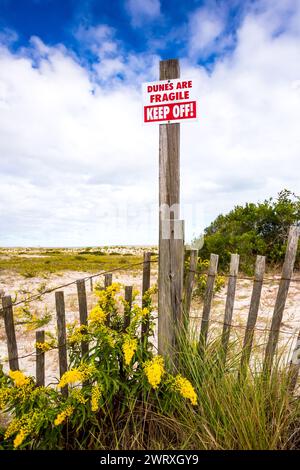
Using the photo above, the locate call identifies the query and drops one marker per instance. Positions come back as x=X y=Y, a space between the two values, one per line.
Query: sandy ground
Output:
x=11 y=283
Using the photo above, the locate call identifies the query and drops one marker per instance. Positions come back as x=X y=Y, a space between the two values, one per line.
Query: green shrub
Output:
x=253 y=229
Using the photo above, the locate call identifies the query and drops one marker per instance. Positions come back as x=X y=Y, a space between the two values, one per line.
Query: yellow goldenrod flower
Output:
x=78 y=335
x=19 y=378
x=95 y=397
x=97 y=315
x=129 y=347
x=78 y=396
x=43 y=346
x=70 y=377
x=19 y=438
x=154 y=370
x=61 y=417
x=185 y=388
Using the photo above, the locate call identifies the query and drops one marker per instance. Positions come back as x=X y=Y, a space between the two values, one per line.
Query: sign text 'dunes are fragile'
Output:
x=169 y=101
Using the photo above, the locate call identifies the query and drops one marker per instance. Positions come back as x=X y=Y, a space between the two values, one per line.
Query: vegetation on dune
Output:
x=59 y=261
x=124 y=396
x=253 y=229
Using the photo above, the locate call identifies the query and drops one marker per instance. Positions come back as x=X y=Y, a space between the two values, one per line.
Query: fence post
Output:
x=107 y=283
x=188 y=287
x=61 y=333
x=294 y=366
x=234 y=267
x=208 y=297
x=127 y=309
x=145 y=287
x=40 y=359
x=10 y=333
x=254 y=306
x=171 y=248
x=91 y=284
x=83 y=315
x=287 y=271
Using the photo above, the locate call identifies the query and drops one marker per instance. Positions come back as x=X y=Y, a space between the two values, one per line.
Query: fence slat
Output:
x=287 y=271
x=127 y=310
x=188 y=287
x=83 y=313
x=91 y=284
x=254 y=307
x=145 y=287
x=61 y=333
x=107 y=283
x=294 y=366
x=208 y=296
x=40 y=359
x=234 y=267
x=12 y=347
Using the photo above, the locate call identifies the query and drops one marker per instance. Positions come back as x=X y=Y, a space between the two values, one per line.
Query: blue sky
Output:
x=77 y=165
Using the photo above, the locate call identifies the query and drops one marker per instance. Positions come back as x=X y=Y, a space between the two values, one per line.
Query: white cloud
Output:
x=79 y=168
x=205 y=27
x=142 y=11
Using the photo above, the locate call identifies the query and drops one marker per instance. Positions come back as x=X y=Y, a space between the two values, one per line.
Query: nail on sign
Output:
x=168 y=101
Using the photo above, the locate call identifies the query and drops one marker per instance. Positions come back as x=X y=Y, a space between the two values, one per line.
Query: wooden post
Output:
x=127 y=310
x=10 y=333
x=234 y=267
x=171 y=246
x=40 y=359
x=83 y=315
x=91 y=284
x=287 y=271
x=107 y=280
x=294 y=366
x=61 y=333
x=208 y=297
x=254 y=306
x=188 y=287
x=145 y=287
x=107 y=283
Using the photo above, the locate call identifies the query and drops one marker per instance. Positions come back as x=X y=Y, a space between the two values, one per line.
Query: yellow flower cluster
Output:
x=185 y=388
x=5 y=395
x=22 y=427
x=19 y=438
x=139 y=312
x=129 y=347
x=97 y=315
x=79 y=334
x=61 y=417
x=78 y=396
x=79 y=374
x=95 y=397
x=70 y=377
x=19 y=378
x=154 y=370
x=43 y=346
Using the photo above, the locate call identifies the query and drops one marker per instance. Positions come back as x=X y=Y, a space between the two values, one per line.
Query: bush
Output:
x=253 y=229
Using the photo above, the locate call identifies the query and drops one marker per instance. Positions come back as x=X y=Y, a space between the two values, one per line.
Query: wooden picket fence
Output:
x=258 y=280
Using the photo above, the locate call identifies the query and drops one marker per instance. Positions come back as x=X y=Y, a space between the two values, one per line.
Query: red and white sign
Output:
x=168 y=101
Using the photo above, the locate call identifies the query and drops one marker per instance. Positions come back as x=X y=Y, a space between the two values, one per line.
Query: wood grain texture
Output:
x=127 y=309
x=287 y=271
x=107 y=283
x=231 y=288
x=12 y=347
x=260 y=266
x=61 y=334
x=40 y=359
x=188 y=287
x=145 y=287
x=171 y=250
x=207 y=302
x=294 y=366
x=83 y=312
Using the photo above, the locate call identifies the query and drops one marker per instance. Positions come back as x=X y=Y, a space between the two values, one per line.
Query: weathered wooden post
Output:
x=287 y=271
x=188 y=287
x=40 y=358
x=128 y=305
x=62 y=337
x=171 y=229
x=145 y=287
x=83 y=312
x=208 y=297
x=10 y=333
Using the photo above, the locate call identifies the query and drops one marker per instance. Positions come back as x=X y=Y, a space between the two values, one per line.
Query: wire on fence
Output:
x=248 y=278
